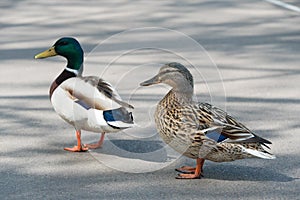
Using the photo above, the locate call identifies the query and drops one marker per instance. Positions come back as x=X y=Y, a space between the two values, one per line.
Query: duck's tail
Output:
x=119 y=118
x=259 y=154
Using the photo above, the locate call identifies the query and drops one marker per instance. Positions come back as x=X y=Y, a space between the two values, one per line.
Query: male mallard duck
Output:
x=200 y=130
x=88 y=103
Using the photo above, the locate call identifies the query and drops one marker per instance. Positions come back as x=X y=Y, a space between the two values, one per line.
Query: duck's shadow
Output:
x=251 y=170
x=243 y=170
x=245 y=173
x=145 y=150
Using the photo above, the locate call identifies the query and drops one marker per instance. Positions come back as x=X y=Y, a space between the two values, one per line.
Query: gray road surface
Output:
x=255 y=46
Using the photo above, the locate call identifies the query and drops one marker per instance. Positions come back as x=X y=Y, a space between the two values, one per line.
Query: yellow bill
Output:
x=48 y=53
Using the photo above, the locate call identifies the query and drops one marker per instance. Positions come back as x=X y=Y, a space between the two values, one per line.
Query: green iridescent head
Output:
x=67 y=47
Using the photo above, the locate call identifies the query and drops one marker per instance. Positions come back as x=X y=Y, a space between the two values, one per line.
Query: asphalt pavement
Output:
x=244 y=56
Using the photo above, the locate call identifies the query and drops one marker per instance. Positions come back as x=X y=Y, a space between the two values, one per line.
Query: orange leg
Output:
x=197 y=172
x=77 y=148
x=96 y=145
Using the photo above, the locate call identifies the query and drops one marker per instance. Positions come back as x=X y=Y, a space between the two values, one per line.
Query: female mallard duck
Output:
x=200 y=130
x=88 y=103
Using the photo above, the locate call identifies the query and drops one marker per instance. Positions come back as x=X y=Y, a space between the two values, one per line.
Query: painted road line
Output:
x=284 y=5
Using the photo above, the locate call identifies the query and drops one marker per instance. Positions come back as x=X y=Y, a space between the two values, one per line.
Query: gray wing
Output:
x=106 y=89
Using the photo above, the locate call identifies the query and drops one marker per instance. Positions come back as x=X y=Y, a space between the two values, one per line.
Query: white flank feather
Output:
x=120 y=124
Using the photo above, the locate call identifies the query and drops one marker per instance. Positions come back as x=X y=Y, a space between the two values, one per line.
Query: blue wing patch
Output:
x=108 y=115
x=83 y=104
x=120 y=114
x=216 y=136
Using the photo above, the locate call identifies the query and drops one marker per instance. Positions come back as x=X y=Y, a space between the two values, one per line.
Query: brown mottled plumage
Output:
x=200 y=130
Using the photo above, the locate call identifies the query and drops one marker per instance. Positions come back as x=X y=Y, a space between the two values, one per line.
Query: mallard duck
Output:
x=199 y=130
x=88 y=103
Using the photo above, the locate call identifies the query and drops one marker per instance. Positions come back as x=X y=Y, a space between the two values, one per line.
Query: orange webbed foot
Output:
x=79 y=147
x=93 y=146
x=188 y=176
x=96 y=145
x=186 y=170
x=76 y=149
x=191 y=172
